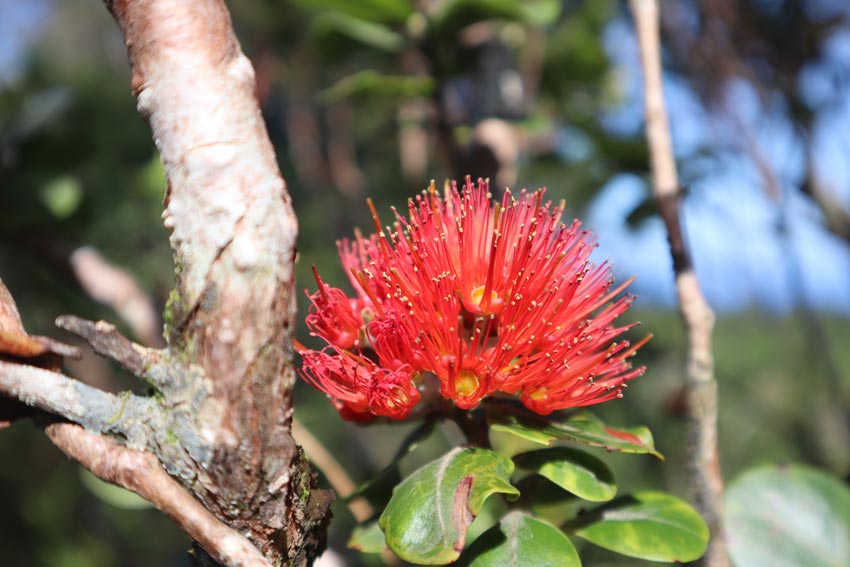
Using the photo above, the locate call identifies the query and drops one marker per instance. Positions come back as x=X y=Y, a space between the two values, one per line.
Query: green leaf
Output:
x=372 y=82
x=368 y=538
x=425 y=521
x=644 y=210
x=648 y=525
x=540 y=12
x=374 y=10
x=788 y=515
x=520 y=540
x=376 y=36
x=456 y=14
x=584 y=428
x=576 y=471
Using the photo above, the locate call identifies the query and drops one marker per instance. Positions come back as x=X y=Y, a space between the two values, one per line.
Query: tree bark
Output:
x=230 y=318
x=220 y=419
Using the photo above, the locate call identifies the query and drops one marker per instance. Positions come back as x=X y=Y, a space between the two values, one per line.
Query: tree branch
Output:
x=333 y=471
x=132 y=418
x=704 y=463
x=141 y=473
x=115 y=287
x=220 y=421
x=230 y=318
x=96 y=410
x=108 y=342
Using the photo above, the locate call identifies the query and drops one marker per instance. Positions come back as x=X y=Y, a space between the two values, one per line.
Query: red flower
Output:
x=488 y=297
x=359 y=388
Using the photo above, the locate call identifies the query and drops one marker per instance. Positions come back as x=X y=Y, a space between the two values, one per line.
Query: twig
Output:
x=141 y=473
x=338 y=478
x=107 y=341
x=115 y=287
x=96 y=410
x=704 y=464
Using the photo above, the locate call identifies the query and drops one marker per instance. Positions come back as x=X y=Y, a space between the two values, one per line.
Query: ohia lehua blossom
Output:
x=482 y=298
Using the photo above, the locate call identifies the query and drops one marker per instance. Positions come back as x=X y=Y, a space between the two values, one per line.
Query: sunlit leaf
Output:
x=520 y=540
x=426 y=520
x=455 y=14
x=375 y=83
x=788 y=515
x=581 y=428
x=373 y=10
x=647 y=525
x=376 y=36
x=576 y=471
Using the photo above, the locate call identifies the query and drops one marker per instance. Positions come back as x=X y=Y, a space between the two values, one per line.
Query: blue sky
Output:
x=18 y=23
x=749 y=249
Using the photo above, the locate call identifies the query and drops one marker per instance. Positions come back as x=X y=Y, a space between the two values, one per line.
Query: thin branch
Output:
x=704 y=463
x=114 y=286
x=836 y=218
x=339 y=480
x=108 y=342
x=141 y=473
x=96 y=410
x=337 y=476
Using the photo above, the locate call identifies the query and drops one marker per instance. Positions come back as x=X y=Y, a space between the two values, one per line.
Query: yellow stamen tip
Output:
x=466 y=383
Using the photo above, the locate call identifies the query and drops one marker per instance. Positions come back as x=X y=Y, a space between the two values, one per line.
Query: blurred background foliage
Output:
x=372 y=99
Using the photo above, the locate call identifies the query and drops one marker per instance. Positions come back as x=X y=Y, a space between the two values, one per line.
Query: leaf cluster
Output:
x=427 y=518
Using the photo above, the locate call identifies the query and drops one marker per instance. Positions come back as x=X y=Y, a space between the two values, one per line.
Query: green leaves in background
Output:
x=575 y=471
x=62 y=196
x=648 y=525
x=39 y=111
x=788 y=515
x=396 y=11
x=111 y=494
x=426 y=520
x=370 y=82
x=520 y=541
x=584 y=428
x=329 y=26
x=455 y=14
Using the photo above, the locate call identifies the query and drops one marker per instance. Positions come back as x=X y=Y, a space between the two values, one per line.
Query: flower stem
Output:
x=473 y=426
